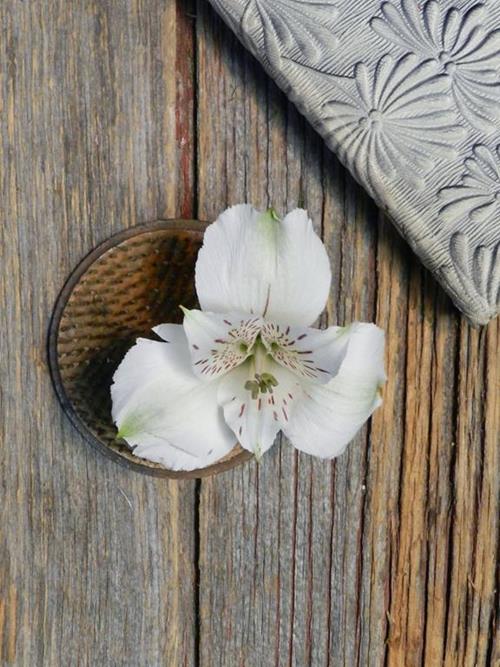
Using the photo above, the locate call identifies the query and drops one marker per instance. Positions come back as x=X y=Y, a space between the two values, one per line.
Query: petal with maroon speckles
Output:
x=255 y=421
x=312 y=354
x=329 y=416
x=218 y=343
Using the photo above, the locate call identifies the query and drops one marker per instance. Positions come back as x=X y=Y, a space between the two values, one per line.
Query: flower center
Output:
x=262 y=381
x=372 y=119
x=375 y=116
x=262 y=384
x=445 y=60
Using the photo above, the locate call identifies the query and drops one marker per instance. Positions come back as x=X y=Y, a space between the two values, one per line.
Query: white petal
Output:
x=312 y=354
x=253 y=263
x=256 y=420
x=219 y=342
x=163 y=410
x=330 y=415
x=172 y=333
x=157 y=450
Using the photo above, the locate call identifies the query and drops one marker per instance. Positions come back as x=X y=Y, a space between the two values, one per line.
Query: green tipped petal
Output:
x=253 y=262
x=162 y=410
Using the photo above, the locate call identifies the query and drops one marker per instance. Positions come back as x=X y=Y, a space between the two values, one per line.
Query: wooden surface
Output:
x=118 y=112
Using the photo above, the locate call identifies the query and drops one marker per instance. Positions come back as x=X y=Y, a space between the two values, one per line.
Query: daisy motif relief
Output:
x=461 y=44
x=394 y=124
x=478 y=271
x=477 y=196
x=304 y=26
x=248 y=364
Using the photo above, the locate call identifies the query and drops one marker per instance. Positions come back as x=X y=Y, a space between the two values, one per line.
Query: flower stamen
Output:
x=262 y=384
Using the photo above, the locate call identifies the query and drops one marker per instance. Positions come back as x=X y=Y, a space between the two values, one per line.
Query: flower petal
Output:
x=219 y=342
x=329 y=416
x=157 y=450
x=256 y=418
x=312 y=354
x=163 y=410
x=252 y=262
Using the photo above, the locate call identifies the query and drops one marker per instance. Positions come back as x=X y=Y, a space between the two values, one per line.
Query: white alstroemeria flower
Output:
x=248 y=364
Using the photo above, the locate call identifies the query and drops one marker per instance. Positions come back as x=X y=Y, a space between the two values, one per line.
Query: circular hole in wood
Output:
x=128 y=284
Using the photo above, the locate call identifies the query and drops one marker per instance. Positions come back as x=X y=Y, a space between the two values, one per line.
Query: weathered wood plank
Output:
x=386 y=556
x=96 y=563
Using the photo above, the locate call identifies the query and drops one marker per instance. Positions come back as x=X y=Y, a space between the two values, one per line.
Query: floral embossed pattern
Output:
x=477 y=196
x=460 y=44
x=288 y=25
x=478 y=269
x=394 y=123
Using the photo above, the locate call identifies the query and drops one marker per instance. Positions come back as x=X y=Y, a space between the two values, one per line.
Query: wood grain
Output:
x=96 y=563
x=119 y=112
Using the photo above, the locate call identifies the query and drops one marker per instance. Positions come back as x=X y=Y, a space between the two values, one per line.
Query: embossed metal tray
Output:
x=407 y=94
